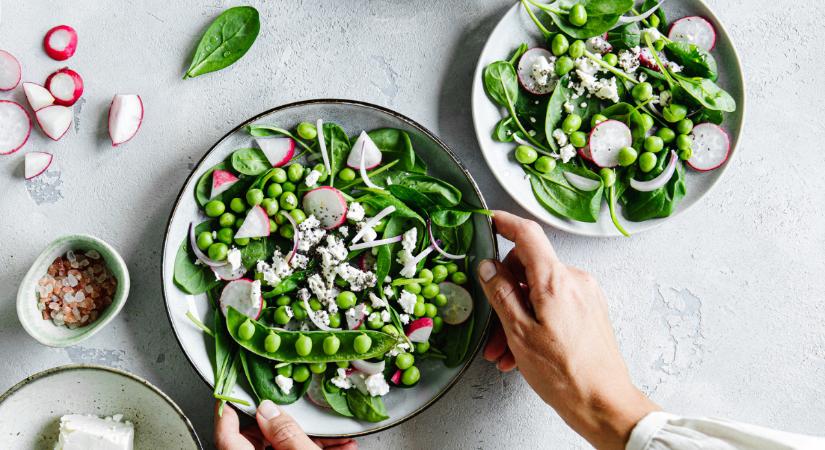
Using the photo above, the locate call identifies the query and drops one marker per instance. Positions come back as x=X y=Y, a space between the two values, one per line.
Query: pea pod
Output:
x=381 y=342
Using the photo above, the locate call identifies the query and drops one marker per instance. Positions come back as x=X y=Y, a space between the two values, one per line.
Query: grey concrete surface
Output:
x=719 y=312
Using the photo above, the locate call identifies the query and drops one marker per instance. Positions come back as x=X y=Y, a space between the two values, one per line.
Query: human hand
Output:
x=554 y=326
x=275 y=428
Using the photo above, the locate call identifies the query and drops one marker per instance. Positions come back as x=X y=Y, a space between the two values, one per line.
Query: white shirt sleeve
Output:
x=664 y=431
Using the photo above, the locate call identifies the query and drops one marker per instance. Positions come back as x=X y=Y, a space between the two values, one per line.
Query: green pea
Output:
x=413 y=288
x=459 y=278
x=438 y=324
x=238 y=222
x=571 y=123
x=646 y=121
x=295 y=172
x=430 y=310
x=323 y=170
x=298 y=215
x=608 y=177
x=419 y=299
x=685 y=154
x=642 y=91
x=301 y=372
x=526 y=154
x=564 y=65
x=346 y=174
x=288 y=186
x=611 y=59
x=666 y=134
x=283 y=300
x=674 y=112
x=274 y=190
x=559 y=44
x=246 y=330
x=214 y=208
x=299 y=311
x=374 y=322
x=439 y=273
x=279 y=175
x=218 y=251
x=404 y=361
x=684 y=126
x=281 y=316
x=335 y=320
x=684 y=142
x=225 y=235
x=422 y=347
x=430 y=291
x=273 y=226
x=380 y=225
x=254 y=197
x=440 y=300
x=315 y=304
x=659 y=45
x=362 y=343
x=578 y=139
x=270 y=205
x=204 y=240
x=597 y=119
x=410 y=376
x=272 y=343
x=318 y=368
x=452 y=268
x=288 y=201
x=426 y=275
x=577 y=49
x=237 y=205
x=627 y=156
x=226 y=219
x=545 y=164
x=242 y=242
x=653 y=21
x=578 y=15
x=285 y=370
x=419 y=310
x=647 y=161
x=303 y=345
x=654 y=144
x=345 y=300
x=390 y=329
x=342 y=364
x=306 y=131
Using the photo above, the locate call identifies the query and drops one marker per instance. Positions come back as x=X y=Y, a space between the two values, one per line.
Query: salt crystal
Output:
x=76 y=312
x=93 y=254
x=74 y=265
x=101 y=278
x=68 y=297
x=53 y=305
x=80 y=296
x=64 y=281
x=72 y=280
x=89 y=289
x=71 y=256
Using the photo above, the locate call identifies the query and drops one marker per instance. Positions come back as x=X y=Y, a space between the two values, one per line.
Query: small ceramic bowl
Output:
x=45 y=331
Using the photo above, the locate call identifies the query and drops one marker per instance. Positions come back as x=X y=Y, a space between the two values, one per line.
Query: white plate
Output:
x=30 y=411
x=516 y=27
x=353 y=117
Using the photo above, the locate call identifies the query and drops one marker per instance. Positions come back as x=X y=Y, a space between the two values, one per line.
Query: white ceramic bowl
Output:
x=516 y=27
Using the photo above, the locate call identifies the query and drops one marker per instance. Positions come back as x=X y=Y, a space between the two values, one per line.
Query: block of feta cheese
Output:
x=87 y=432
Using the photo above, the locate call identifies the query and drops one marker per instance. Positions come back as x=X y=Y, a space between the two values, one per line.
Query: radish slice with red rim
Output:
x=584 y=152
x=125 y=117
x=661 y=180
x=60 y=42
x=256 y=224
x=10 y=71
x=37 y=96
x=328 y=205
x=396 y=377
x=606 y=139
x=66 y=86
x=193 y=242
x=435 y=243
x=420 y=329
x=296 y=236
x=37 y=163
x=367 y=367
x=54 y=120
x=245 y=296
x=278 y=150
x=222 y=180
x=311 y=314
x=459 y=303
x=694 y=30
x=375 y=243
x=372 y=222
x=711 y=147
x=535 y=71
x=365 y=149
x=15 y=127
x=580 y=182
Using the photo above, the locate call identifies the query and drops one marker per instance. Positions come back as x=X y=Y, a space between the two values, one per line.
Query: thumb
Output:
x=281 y=430
x=503 y=292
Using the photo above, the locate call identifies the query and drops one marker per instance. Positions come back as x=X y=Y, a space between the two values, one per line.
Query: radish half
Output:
x=125 y=117
x=15 y=127
x=606 y=139
x=10 y=71
x=584 y=152
x=694 y=30
x=37 y=163
x=256 y=224
x=37 y=96
x=54 y=120
x=711 y=147
x=459 y=303
x=527 y=76
x=66 y=86
x=646 y=59
x=420 y=329
x=245 y=296
x=278 y=150
x=222 y=180
x=60 y=42
x=364 y=145
x=328 y=205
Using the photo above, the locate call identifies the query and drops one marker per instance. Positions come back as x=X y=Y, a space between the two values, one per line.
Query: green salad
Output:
x=335 y=267
x=611 y=106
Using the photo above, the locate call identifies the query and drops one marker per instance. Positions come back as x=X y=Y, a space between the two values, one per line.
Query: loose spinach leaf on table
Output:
x=625 y=37
x=640 y=206
x=707 y=93
x=261 y=378
x=366 y=407
x=190 y=277
x=337 y=399
x=696 y=62
x=250 y=161
x=226 y=40
x=555 y=193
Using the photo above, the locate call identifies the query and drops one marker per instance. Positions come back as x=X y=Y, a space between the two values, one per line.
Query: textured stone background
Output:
x=719 y=312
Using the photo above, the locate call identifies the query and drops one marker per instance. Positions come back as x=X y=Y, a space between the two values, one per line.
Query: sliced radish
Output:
x=37 y=163
x=459 y=303
x=661 y=180
x=222 y=180
x=66 y=86
x=278 y=150
x=314 y=393
x=396 y=377
x=711 y=147
x=366 y=261
x=581 y=183
x=369 y=368
x=256 y=224
x=372 y=222
x=125 y=117
x=10 y=71
x=15 y=127
x=226 y=273
x=646 y=59
x=60 y=42
x=598 y=44
x=193 y=242
x=364 y=145
x=606 y=139
x=375 y=243
x=54 y=120
x=535 y=71
x=694 y=30
x=584 y=152
x=420 y=329
x=357 y=316
x=38 y=96
x=245 y=296
x=328 y=205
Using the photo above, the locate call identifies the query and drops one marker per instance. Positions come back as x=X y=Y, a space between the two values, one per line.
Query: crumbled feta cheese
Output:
x=569 y=107
x=389 y=292
x=311 y=233
x=288 y=311
x=598 y=44
x=405 y=318
x=342 y=380
x=369 y=235
x=385 y=316
x=629 y=59
x=587 y=66
x=542 y=70
x=377 y=385
x=653 y=33
x=284 y=384
x=358 y=280
x=355 y=212
x=275 y=272
x=409 y=239
x=560 y=137
x=605 y=88
x=567 y=152
x=583 y=105
x=312 y=178
x=299 y=261
x=400 y=348
x=377 y=302
x=407 y=301
x=233 y=257
x=675 y=68
x=344 y=231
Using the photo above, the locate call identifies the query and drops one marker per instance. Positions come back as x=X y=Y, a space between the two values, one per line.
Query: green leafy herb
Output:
x=226 y=40
x=261 y=379
x=190 y=277
x=338 y=146
x=625 y=37
x=337 y=398
x=602 y=15
x=695 y=61
x=556 y=112
x=457 y=340
x=556 y=194
x=250 y=161
x=366 y=407
x=707 y=93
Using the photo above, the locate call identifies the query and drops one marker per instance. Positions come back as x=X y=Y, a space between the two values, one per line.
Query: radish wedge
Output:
x=694 y=30
x=459 y=303
x=581 y=183
x=66 y=86
x=15 y=127
x=364 y=145
x=10 y=71
x=60 y=42
x=227 y=273
x=711 y=147
x=420 y=329
x=244 y=296
x=278 y=150
x=222 y=180
x=256 y=224
x=646 y=59
x=661 y=180
x=37 y=96
x=396 y=377
x=606 y=139
x=369 y=368
x=534 y=63
x=37 y=163
x=328 y=205
x=125 y=117
x=314 y=393
x=54 y=120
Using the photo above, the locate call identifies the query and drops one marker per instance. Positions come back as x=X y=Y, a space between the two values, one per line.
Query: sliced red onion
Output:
x=296 y=236
x=201 y=255
x=421 y=256
x=372 y=221
x=660 y=181
x=376 y=243
x=437 y=248
x=318 y=323
x=362 y=168
x=322 y=145
x=624 y=20
x=370 y=368
x=581 y=183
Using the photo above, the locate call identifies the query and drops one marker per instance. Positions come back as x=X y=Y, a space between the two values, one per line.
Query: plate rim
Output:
x=320 y=101
x=562 y=224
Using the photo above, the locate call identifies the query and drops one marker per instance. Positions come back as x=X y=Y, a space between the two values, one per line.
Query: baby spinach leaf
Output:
x=250 y=161
x=226 y=40
x=640 y=206
x=204 y=184
x=456 y=239
x=396 y=143
x=457 y=340
x=190 y=277
x=338 y=145
x=695 y=61
x=625 y=37
x=555 y=193
x=707 y=93
x=261 y=379
x=337 y=399
x=439 y=192
x=505 y=130
x=380 y=200
x=602 y=15
x=501 y=83
x=288 y=284
x=410 y=196
x=709 y=115
x=366 y=407
x=257 y=250
x=532 y=108
x=450 y=217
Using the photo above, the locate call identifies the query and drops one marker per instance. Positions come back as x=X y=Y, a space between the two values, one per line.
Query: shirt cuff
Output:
x=646 y=429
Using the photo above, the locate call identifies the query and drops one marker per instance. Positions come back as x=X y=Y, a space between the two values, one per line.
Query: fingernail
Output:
x=486 y=270
x=268 y=410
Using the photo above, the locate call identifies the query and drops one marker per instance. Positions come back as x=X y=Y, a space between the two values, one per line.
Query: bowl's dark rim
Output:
x=408 y=121
x=55 y=370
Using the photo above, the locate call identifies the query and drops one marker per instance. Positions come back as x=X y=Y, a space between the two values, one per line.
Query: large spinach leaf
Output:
x=438 y=192
x=696 y=62
x=226 y=40
x=250 y=161
x=397 y=144
x=640 y=206
x=625 y=37
x=457 y=239
x=338 y=145
x=707 y=93
x=380 y=200
x=366 y=407
x=451 y=217
x=505 y=130
x=337 y=398
x=501 y=83
x=555 y=193
x=602 y=15
x=190 y=277
x=660 y=13
x=261 y=378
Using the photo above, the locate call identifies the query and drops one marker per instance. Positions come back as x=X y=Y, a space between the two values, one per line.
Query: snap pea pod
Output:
x=285 y=352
